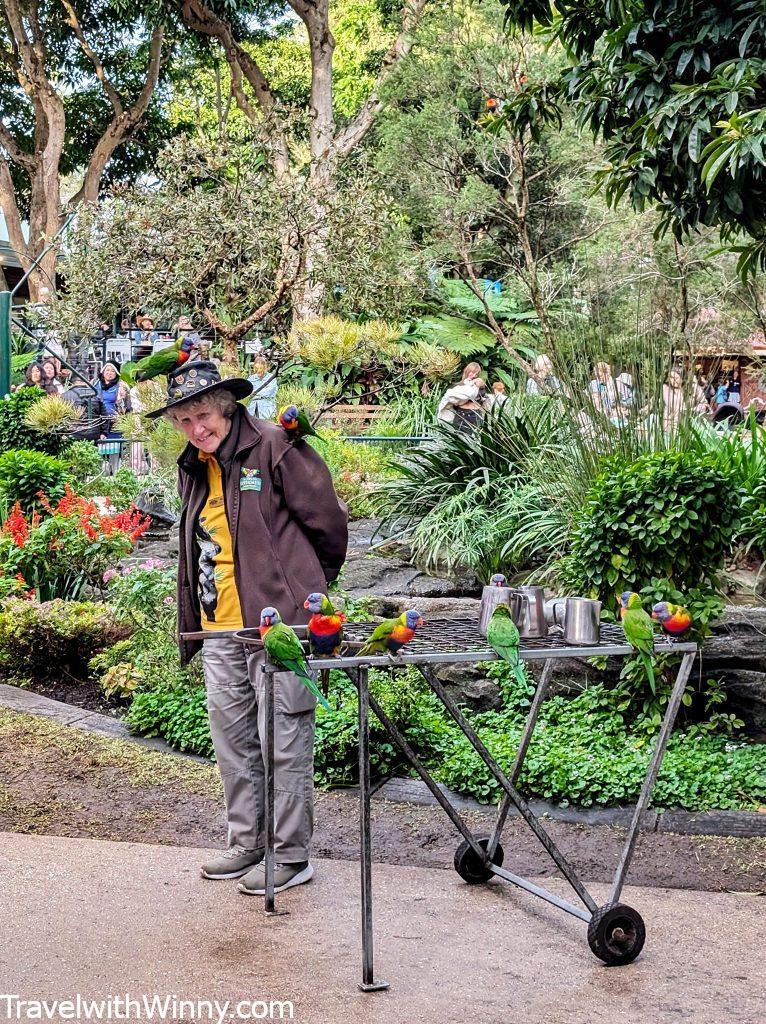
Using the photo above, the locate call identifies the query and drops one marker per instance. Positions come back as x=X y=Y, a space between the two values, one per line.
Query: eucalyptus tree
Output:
x=330 y=139
x=80 y=105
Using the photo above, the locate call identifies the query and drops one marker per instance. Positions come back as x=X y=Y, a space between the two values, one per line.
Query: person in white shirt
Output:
x=462 y=404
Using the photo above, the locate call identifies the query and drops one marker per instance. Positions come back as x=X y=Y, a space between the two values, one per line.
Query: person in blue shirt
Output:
x=264 y=402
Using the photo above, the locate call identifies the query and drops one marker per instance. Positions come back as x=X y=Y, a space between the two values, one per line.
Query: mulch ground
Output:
x=58 y=780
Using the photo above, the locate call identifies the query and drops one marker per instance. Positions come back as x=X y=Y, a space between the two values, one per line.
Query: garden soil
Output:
x=56 y=780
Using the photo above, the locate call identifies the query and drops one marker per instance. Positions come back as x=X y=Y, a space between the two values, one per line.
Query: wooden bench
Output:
x=352 y=418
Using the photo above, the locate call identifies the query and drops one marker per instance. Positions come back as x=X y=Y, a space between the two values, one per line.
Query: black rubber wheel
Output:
x=616 y=934
x=468 y=865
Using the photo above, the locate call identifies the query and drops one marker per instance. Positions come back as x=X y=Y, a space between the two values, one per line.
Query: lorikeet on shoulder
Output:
x=165 y=361
x=639 y=631
x=674 y=618
x=391 y=635
x=296 y=423
x=282 y=645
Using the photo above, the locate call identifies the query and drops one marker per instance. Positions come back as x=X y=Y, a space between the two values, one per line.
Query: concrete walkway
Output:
x=104 y=919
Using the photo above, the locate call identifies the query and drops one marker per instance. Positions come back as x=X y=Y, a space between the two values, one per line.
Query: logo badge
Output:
x=250 y=479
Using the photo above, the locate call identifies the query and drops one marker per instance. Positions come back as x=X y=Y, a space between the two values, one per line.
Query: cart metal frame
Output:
x=478 y=859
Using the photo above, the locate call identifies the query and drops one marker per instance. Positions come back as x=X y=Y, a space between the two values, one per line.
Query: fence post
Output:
x=5 y=343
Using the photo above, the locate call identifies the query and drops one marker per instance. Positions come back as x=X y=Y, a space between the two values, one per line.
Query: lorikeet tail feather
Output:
x=305 y=678
x=325 y=677
x=647 y=660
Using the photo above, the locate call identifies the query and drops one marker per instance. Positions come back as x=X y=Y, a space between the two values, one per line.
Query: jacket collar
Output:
x=243 y=436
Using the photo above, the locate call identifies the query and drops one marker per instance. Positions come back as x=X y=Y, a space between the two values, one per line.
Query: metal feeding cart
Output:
x=616 y=932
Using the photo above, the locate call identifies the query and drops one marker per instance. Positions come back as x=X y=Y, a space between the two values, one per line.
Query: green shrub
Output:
x=667 y=516
x=122 y=489
x=44 y=640
x=355 y=468
x=24 y=473
x=178 y=714
x=83 y=460
x=14 y=431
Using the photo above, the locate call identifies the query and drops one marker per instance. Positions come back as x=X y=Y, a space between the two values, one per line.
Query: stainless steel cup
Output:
x=582 y=621
x=491 y=597
x=534 y=625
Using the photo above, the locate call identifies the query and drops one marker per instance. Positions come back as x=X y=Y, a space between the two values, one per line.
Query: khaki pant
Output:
x=237 y=711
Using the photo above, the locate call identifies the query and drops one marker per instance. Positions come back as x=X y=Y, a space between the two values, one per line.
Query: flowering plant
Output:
x=68 y=547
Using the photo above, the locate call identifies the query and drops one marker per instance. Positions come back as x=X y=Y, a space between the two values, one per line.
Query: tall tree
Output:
x=676 y=89
x=77 y=79
x=493 y=192
x=330 y=143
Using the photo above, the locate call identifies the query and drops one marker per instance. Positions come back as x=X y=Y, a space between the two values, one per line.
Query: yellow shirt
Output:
x=219 y=600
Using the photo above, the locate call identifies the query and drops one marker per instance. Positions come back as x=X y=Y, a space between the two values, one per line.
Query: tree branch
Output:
x=121 y=125
x=356 y=130
x=11 y=213
x=16 y=154
x=93 y=57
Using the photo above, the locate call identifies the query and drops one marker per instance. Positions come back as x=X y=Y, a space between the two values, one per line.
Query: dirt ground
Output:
x=57 y=780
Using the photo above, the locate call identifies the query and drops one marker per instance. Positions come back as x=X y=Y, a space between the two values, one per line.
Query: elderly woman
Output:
x=260 y=525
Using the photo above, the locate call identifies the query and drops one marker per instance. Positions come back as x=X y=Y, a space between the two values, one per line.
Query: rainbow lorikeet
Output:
x=296 y=423
x=673 y=618
x=639 y=631
x=165 y=361
x=325 y=625
x=325 y=631
x=390 y=635
x=498 y=580
x=282 y=645
x=504 y=639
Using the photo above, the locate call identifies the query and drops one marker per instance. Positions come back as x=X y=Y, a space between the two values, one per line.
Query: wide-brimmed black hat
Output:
x=194 y=380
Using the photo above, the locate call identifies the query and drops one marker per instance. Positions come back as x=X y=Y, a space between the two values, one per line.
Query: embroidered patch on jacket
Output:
x=250 y=479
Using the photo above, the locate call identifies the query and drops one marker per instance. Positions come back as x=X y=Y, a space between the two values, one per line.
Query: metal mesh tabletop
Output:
x=455 y=640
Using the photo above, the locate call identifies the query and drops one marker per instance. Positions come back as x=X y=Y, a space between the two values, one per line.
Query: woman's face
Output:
x=110 y=374
x=35 y=375
x=49 y=371
x=148 y=324
x=674 y=379
x=204 y=425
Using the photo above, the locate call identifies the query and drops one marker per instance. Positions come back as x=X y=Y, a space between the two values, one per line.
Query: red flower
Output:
x=16 y=526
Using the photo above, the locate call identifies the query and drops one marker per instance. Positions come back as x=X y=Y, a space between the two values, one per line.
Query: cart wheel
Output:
x=616 y=934
x=468 y=865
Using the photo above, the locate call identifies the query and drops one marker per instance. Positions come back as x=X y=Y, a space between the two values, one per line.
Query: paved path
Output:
x=99 y=919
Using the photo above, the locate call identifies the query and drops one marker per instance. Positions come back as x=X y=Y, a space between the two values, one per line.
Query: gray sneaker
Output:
x=232 y=863
x=285 y=877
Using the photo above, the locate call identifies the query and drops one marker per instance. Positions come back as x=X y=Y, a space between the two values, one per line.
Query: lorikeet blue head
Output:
x=288 y=417
x=270 y=616
x=316 y=603
x=498 y=580
x=661 y=611
x=413 y=618
x=629 y=599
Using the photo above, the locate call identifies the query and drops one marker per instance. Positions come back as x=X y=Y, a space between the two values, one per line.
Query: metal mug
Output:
x=555 y=611
x=491 y=597
x=582 y=621
x=533 y=625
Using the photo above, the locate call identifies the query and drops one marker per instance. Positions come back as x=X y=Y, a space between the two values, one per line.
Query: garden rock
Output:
x=467 y=684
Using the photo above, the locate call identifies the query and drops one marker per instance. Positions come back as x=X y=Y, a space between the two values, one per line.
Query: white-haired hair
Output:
x=221 y=399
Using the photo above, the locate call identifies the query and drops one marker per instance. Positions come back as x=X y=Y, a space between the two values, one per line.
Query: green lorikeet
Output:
x=297 y=423
x=639 y=631
x=390 y=635
x=165 y=361
x=282 y=645
x=504 y=639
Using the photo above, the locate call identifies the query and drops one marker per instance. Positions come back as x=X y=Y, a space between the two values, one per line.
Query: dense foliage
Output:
x=43 y=641
x=676 y=91
x=26 y=474
x=668 y=515
x=14 y=431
